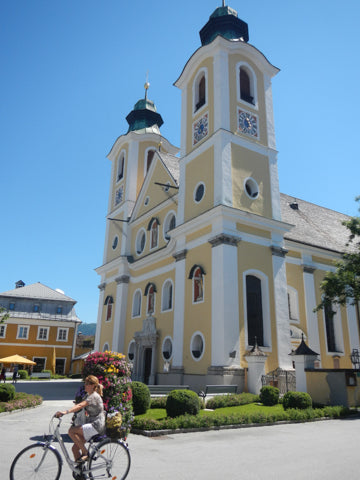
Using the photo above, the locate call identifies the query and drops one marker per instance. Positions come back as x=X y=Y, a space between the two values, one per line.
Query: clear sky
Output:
x=71 y=70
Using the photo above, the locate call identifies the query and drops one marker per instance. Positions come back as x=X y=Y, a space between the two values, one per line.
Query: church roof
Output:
x=314 y=225
x=224 y=21
x=144 y=117
x=172 y=164
x=37 y=291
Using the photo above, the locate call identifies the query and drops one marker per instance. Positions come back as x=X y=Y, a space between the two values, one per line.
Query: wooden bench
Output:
x=218 y=390
x=40 y=375
x=165 y=389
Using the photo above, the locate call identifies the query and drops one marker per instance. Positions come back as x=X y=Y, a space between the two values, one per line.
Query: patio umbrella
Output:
x=17 y=359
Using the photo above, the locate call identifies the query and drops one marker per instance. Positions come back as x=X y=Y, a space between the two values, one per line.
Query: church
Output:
x=206 y=264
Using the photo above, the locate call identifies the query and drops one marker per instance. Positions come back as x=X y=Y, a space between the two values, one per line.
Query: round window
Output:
x=199 y=192
x=140 y=241
x=115 y=242
x=251 y=188
x=147 y=200
x=197 y=346
x=131 y=351
x=167 y=349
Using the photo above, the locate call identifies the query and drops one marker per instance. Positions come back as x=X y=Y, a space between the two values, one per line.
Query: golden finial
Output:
x=147 y=85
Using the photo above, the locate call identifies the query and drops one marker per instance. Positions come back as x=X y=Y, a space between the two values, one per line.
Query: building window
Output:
x=255 y=324
x=136 y=308
x=62 y=335
x=293 y=304
x=197 y=346
x=131 y=350
x=154 y=233
x=36 y=308
x=200 y=91
x=140 y=241
x=197 y=275
x=43 y=333
x=23 y=332
x=149 y=158
x=333 y=330
x=247 y=84
x=199 y=192
x=40 y=364
x=120 y=167
x=251 y=188
x=2 y=331
x=59 y=310
x=109 y=306
x=115 y=242
x=12 y=306
x=167 y=296
x=169 y=224
x=150 y=291
x=167 y=349
x=106 y=347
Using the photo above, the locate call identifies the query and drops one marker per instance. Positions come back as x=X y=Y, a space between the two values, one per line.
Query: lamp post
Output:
x=355 y=358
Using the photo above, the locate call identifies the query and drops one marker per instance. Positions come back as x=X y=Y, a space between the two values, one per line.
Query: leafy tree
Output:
x=4 y=314
x=343 y=285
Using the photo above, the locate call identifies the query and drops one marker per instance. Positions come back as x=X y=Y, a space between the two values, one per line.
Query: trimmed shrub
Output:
x=298 y=400
x=23 y=374
x=140 y=397
x=7 y=392
x=181 y=402
x=233 y=400
x=269 y=395
x=158 y=402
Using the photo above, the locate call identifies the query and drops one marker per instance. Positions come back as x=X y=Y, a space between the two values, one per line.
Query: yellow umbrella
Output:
x=17 y=359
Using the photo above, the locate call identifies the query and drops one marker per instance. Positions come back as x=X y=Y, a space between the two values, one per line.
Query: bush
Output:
x=23 y=374
x=158 y=402
x=299 y=400
x=269 y=395
x=181 y=402
x=221 y=401
x=7 y=392
x=140 y=397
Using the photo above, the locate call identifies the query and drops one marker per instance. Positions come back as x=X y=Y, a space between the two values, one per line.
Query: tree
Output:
x=4 y=314
x=343 y=285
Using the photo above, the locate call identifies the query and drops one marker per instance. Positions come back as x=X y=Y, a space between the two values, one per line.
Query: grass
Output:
x=20 y=401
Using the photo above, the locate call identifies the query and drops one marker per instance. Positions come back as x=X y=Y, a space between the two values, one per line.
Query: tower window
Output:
x=149 y=158
x=199 y=90
x=254 y=311
x=246 y=84
x=109 y=305
x=120 y=169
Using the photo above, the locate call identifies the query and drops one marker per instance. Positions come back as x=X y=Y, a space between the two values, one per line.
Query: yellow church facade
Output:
x=204 y=258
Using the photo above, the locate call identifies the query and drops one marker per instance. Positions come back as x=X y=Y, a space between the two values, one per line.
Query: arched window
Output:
x=333 y=329
x=150 y=291
x=131 y=350
x=136 y=308
x=106 y=347
x=120 y=167
x=149 y=158
x=197 y=275
x=199 y=90
x=109 y=305
x=167 y=296
x=169 y=224
x=255 y=325
x=153 y=227
x=246 y=84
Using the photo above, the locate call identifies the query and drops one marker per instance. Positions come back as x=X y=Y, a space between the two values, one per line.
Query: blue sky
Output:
x=72 y=70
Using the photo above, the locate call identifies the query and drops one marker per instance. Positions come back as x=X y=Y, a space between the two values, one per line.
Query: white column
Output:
x=256 y=369
x=222 y=170
x=179 y=306
x=225 y=332
x=119 y=317
x=352 y=326
x=99 y=317
x=183 y=122
x=310 y=304
x=281 y=308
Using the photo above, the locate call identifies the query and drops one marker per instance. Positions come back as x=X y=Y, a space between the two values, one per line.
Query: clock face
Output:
x=247 y=123
x=200 y=129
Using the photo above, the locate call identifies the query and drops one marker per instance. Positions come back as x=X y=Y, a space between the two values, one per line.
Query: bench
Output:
x=218 y=390
x=40 y=375
x=166 y=389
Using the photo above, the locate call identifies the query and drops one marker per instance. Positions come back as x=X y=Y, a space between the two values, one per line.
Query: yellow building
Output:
x=42 y=326
x=204 y=257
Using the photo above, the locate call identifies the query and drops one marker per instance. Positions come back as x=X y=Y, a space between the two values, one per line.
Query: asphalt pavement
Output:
x=325 y=450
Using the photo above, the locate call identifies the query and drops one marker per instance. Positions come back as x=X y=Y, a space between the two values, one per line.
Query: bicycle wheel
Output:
x=36 y=462
x=110 y=460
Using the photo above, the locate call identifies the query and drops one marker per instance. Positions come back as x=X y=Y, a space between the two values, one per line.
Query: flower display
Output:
x=113 y=372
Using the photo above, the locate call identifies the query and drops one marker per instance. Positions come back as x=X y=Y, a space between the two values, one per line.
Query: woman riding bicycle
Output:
x=95 y=421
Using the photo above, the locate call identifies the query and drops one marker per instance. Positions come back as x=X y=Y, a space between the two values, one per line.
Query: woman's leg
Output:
x=79 y=448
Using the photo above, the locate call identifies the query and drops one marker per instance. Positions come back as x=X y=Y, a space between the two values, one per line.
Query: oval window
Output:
x=199 y=192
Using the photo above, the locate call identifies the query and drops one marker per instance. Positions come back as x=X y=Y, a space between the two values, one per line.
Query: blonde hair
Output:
x=95 y=381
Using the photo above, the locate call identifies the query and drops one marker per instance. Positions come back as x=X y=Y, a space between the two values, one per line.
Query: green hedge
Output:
x=140 y=397
x=23 y=374
x=300 y=400
x=233 y=400
x=7 y=392
x=208 y=421
x=158 y=402
x=269 y=395
x=181 y=402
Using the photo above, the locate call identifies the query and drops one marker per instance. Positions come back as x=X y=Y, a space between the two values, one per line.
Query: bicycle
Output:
x=108 y=458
